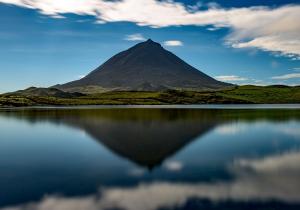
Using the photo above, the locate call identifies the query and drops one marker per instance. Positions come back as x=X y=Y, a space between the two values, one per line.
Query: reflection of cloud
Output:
x=290 y=131
x=230 y=129
x=272 y=178
x=136 y=172
x=288 y=161
x=173 y=165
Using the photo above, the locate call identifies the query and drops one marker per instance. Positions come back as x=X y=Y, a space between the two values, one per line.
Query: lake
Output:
x=150 y=158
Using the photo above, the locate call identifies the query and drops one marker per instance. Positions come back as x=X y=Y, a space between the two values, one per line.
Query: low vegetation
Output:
x=274 y=94
x=237 y=95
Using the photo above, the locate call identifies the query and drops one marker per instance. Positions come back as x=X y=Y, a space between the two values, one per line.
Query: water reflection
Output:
x=146 y=137
x=255 y=166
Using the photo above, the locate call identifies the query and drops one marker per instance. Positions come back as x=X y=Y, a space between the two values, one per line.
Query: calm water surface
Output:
x=150 y=158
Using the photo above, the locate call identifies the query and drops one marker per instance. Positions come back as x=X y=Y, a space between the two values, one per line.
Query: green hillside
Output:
x=264 y=95
x=238 y=95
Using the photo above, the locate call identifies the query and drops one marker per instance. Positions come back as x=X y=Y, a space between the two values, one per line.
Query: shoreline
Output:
x=172 y=106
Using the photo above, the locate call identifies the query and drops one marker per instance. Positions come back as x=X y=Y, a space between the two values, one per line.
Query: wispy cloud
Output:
x=274 y=64
x=287 y=76
x=296 y=69
x=135 y=37
x=212 y=29
x=173 y=43
x=81 y=76
x=230 y=78
x=269 y=29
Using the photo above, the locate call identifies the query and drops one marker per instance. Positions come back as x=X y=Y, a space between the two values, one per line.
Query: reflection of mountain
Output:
x=146 y=142
x=146 y=136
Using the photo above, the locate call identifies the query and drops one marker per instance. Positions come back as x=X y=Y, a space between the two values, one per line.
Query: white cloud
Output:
x=296 y=68
x=287 y=76
x=213 y=29
x=173 y=43
x=135 y=37
x=81 y=76
x=276 y=44
x=229 y=78
x=270 y=29
x=268 y=179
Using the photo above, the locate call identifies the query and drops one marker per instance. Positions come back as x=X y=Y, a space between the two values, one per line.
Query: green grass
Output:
x=242 y=94
x=269 y=94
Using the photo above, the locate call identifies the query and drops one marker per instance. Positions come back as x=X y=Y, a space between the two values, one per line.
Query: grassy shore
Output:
x=238 y=95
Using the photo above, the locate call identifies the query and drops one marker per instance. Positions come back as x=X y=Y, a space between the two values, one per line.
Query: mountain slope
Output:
x=146 y=66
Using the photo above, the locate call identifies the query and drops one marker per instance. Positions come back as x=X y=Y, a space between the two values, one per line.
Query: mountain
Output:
x=146 y=66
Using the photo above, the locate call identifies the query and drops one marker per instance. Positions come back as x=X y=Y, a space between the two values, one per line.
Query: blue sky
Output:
x=47 y=42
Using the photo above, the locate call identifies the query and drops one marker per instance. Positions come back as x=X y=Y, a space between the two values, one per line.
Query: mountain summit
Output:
x=146 y=66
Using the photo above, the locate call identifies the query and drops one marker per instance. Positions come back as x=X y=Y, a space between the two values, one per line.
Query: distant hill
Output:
x=249 y=94
x=45 y=92
x=146 y=66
